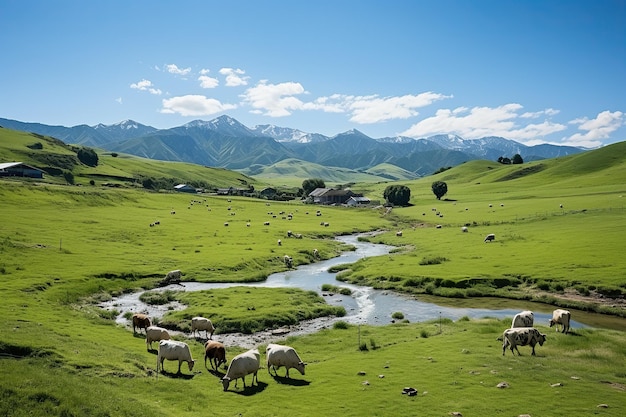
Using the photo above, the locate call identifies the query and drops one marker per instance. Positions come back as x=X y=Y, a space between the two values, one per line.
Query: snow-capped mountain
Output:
x=285 y=134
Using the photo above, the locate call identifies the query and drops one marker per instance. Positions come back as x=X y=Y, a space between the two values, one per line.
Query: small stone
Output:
x=361 y=373
x=575 y=377
x=603 y=406
x=503 y=385
x=456 y=414
x=558 y=384
x=365 y=382
x=381 y=376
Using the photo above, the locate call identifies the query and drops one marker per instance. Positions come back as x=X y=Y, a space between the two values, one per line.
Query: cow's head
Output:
x=541 y=339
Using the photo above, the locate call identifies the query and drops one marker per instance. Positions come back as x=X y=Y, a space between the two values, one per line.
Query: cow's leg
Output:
x=179 y=362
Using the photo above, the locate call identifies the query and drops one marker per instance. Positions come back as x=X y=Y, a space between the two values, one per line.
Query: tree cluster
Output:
x=398 y=195
x=517 y=159
x=311 y=184
x=88 y=157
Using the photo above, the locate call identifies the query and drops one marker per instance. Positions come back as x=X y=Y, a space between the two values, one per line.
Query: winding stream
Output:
x=367 y=305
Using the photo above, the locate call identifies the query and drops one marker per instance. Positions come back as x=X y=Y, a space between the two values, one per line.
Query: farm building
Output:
x=330 y=196
x=358 y=201
x=184 y=188
x=19 y=169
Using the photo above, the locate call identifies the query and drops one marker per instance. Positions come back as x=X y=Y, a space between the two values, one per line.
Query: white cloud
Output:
x=537 y=114
x=208 y=82
x=173 y=69
x=119 y=100
x=274 y=100
x=234 y=77
x=479 y=122
x=194 y=105
x=601 y=127
x=146 y=85
x=372 y=109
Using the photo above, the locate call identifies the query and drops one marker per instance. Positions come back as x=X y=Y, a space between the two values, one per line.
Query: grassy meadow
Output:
x=65 y=248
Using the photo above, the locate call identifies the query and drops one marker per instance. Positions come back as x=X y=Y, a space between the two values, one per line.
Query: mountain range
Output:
x=224 y=142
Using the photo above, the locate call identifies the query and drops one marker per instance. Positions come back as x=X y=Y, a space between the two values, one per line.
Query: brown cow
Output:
x=142 y=321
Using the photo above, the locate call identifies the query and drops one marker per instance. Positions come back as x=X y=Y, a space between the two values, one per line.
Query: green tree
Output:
x=517 y=159
x=440 y=189
x=311 y=184
x=397 y=195
x=88 y=157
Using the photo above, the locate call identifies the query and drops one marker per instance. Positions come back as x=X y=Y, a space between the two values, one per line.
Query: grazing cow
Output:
x=464 y=229
x=243 y=364
x=523 y=319
x=215 y=352
x=142 y=321
x=316 y=253
x=490 y=238
x=155 y=334
x=561 y=317
x=280 y=242
x=280 y=355
x=521 y=336
x=399 y=233
x=173 y=350
x=288 y=261
x=200 y=323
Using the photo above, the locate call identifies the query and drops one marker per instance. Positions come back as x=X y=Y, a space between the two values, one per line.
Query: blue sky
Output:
x=532 y=71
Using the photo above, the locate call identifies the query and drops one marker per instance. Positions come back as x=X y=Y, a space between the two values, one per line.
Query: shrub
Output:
x=373 y=344
x=433 y=261
x=363 y=346
x=424 y=333
x=464 y=318
x=397 y=315
x=88 y=157
x=341 y=325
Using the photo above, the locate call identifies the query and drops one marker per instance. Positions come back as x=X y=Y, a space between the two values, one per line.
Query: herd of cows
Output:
x=241 y=365
x=522 y=332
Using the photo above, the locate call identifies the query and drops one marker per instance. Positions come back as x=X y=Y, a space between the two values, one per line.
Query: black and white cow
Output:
x=521 y=336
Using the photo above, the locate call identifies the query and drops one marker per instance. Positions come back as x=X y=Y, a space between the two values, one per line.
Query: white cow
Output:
x=173 y=350
x=243 y=364
x=280 y=355
x=523 y=319
x=155 y=334
x=521 y=336
x=490 y=237
x=200 y=323
x=561 y=317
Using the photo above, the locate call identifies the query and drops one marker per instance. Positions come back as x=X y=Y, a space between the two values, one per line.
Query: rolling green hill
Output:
x=56 y=158
x=291 y=172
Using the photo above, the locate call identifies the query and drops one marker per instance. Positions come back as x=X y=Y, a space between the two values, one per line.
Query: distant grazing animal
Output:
x=490 y=237
x=156 y=334
x=173 y=350
x=266 y=223
x=523 y=319
x=280 y=355
x=215 y=352
x=288 y=261
x=141 y=321
x=521 y=336
x=399 y=233
x=280 y=242
x=243 y=364
x=316 y=253
x=174 y=276
x=464 y=229
x=200 y=323
x=561 y=317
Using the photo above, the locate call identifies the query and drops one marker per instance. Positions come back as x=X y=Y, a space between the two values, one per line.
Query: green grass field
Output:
x=64 y=248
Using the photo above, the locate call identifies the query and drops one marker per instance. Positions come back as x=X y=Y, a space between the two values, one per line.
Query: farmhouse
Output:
x=355 y=201
x=184 y=188
x=19 y=169
x=330 y=196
